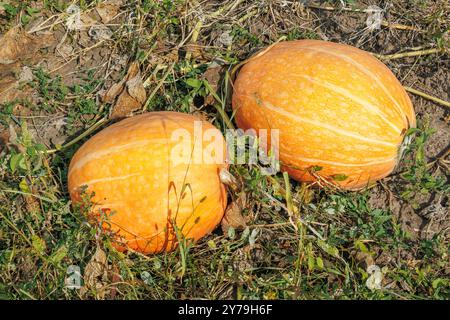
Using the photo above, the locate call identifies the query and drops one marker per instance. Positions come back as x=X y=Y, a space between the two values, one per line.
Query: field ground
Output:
x=54 y=72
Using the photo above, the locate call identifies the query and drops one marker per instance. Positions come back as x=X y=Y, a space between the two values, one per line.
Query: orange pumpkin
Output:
x=150 y=178
x=341 y=113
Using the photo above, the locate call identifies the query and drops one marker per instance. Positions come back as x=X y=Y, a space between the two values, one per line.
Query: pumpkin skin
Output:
x=336 y=107
x=131 y=170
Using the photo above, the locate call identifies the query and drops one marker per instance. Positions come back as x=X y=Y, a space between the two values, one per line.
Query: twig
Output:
x=27 y=194
x=427 y=96
x=330 y=8
x=194 y=37
x=220 y=108
x=247 y=16
x=289 y=202
x=398 y=26
x=316 y=233
x=16 y=229
x=408 y=54
x=158 y=86
x=199 y=25
x=81 y=136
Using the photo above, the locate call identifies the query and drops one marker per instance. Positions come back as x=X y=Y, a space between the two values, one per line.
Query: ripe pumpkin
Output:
x=148 y=193
x=341 y=113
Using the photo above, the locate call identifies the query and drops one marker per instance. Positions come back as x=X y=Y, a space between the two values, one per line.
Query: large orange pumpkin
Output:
x=339 y=111
x=152 y=180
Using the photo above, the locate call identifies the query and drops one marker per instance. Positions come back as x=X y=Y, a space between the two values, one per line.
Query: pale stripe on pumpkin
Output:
x=363 y=69
x=106 y=179
x=350 y=134
x=112 y=151
x=340 y=164
x=348 y=94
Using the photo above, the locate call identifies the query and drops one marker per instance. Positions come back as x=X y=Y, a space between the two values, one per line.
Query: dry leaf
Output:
x=225 y=38
x=17 y=45
x=100 y=32
x=95 y=273
x=136 y=89
x=124 y=106
x=212 y=75
x=114 y=279
x=26 y=74
x=233 y=214
x=108 y=10
x=32 y=204
x=130 y=93
x=8 y=88
x=87 y=21
x=117 y=88
x=365 y=259
x=15 y=42
x=113 y=92
x=4 y=139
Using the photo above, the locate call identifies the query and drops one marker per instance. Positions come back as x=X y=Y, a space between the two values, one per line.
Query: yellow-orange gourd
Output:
x=150 y=196
x=340 y=111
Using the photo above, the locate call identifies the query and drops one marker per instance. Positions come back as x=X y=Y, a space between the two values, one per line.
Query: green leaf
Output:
x=194 y=83
x=436 y=283
x=317 y=168
x=25 y=19
x=31 y=11
x=311 y=262
x=331 y=250
x=231 y=233
x=212 y=244
x=339 y=177
x=14 y=161
x=23 y=185
x=23 y=164
x=11 y=10
x=59 y=254
x=38 y=244
x=361 y=246
x=319 y=262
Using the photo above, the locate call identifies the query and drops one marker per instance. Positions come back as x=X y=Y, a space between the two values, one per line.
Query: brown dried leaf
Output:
x=96 y=269
x=17 y=45
x=212 y=75
x=115 y=277
x=113 y=92
x=136 y=89
x=87 y=21
x=4 y=139
x=14 y=44
x=130 y=93
x=32 y=203
x=233 y=214
x=8 y=88
x=125 y=106
x=364 y=259
x=108 y=10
